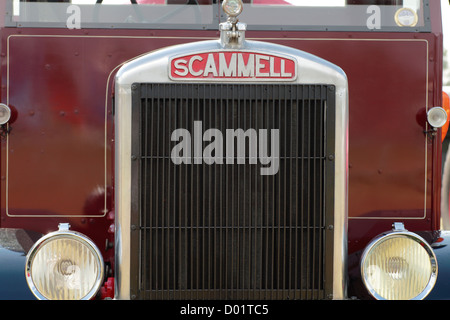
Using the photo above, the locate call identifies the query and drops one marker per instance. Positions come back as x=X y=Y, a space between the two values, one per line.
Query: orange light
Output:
x=446 y=106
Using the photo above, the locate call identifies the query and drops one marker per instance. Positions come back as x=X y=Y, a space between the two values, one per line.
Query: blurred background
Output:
x=446 y=27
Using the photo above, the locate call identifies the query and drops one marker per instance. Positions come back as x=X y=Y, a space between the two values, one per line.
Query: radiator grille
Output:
x=225 y=231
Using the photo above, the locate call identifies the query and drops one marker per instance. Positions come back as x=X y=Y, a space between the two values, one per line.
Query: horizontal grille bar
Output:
x=211 y=230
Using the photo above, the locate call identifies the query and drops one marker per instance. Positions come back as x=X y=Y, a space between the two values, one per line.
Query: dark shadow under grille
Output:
x=225 y=231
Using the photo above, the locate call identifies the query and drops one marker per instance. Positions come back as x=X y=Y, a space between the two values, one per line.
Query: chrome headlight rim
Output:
x=409 y=235
x=401 y=232
x=64 y=233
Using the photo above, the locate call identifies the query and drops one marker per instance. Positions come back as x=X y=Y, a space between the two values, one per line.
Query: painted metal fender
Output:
x=441 y=248
x=14 y=246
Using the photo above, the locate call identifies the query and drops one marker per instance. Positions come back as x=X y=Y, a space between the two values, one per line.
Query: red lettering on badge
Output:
x=232 y=65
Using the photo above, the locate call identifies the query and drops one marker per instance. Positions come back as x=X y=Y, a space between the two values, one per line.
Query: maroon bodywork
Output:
x=60 y=151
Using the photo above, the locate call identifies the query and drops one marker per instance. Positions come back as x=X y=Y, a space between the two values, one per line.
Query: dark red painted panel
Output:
x=61 y=143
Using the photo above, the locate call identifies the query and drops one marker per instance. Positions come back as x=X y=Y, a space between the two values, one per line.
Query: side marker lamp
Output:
x=5 y=113
x=437 y=117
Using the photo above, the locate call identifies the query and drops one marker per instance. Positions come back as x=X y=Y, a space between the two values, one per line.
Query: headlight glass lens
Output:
x=64 y=267
x=399 y=267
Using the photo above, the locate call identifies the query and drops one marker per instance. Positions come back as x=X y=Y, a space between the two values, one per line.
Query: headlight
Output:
x=399 y=265
x=64 y=265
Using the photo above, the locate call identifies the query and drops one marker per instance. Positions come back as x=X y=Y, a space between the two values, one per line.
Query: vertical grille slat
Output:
x=225 y=231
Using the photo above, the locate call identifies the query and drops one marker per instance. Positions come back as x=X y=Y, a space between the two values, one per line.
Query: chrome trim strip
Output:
x=153 y=68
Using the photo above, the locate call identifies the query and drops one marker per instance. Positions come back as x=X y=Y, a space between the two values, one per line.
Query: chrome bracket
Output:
x=64 y=226
x=398 y=226
x=232 y=33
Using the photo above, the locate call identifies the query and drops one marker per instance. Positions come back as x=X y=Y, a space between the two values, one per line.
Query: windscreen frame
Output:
x=253 y=15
